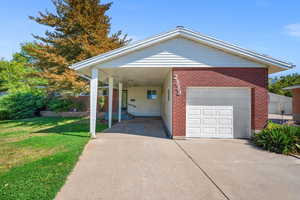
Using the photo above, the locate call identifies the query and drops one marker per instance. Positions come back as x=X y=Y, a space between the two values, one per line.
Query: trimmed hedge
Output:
x=279 y=139
x=20 y=105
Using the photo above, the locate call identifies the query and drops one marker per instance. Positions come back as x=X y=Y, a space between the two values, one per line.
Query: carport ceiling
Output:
x=139 y=76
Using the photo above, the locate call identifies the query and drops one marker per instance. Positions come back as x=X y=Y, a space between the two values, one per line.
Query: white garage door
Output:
x=210 y=121
x=218 y=112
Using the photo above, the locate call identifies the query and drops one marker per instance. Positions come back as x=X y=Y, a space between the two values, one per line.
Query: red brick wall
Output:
x=296 y=101
x=256 y=78
x=115 y=101
x=85 y=101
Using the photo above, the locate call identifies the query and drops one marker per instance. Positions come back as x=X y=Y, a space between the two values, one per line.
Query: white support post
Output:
x=93 y=101
x=110 y=100
x=120 y=102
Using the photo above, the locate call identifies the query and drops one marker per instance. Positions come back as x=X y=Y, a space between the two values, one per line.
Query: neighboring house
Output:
x=296 y=101
x=200 y=86
x=279 y=104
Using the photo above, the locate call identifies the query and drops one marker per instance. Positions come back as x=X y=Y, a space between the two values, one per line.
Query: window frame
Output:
x=151 y=94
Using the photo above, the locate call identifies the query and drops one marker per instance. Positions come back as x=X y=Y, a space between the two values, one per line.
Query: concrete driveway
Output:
x=134 y=160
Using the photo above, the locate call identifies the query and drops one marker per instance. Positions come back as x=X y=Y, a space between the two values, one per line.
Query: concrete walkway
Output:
x=134 y=160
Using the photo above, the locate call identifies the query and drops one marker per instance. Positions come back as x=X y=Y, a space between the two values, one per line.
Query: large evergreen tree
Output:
x=79 y=30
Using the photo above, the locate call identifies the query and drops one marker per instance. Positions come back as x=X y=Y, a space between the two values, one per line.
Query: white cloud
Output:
x=293 y=29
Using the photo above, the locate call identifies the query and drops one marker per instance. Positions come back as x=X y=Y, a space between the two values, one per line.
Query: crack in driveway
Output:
x=202 y=170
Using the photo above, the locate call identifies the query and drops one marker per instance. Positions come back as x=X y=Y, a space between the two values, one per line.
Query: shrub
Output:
x=21 y=104
x=279 y=139
x=4 y=114
x=60 y=104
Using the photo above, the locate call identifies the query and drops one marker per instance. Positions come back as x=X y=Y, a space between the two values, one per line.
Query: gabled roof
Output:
x=188 y=34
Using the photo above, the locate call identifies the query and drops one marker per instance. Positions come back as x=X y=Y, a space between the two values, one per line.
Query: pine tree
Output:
x=80 y=29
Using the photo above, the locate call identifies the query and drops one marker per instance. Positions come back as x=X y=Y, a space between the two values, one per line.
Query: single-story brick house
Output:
x=198 y=85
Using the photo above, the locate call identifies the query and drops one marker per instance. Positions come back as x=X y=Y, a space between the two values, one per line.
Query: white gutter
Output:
x=84 y=76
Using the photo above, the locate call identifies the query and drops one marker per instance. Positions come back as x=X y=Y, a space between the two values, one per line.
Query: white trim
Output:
x=110 y=100
x=186 y=111
x=84 y=76
x=93 y=101
x=189 y=34
x=171 y=101
x=120 y=102
x=250 y=112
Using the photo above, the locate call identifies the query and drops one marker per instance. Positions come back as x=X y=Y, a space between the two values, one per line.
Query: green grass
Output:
x=37 y=154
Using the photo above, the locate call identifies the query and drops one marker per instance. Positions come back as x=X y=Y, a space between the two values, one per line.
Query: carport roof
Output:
x=188 y=34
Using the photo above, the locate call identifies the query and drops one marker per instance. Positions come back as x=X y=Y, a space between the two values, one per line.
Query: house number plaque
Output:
x=177 y=85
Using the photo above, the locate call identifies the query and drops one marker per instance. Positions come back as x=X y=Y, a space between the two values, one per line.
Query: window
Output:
x=151 y=94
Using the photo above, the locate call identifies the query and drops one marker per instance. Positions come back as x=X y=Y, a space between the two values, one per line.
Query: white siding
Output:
x=142 y=105
x=167 y=102
x=277 y=103
x=179 y=52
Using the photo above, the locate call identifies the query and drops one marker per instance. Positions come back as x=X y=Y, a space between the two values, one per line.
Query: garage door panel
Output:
x=209 y=130
x=193 y=107
x=225 y=130
x=194 y=111
x=218 y=112
x=194 y=131
x=194 y=124
x=194 y=116
x=209 y=122
x=194 y=121
x=209 y=112
x=225 y=122
x=227 y=112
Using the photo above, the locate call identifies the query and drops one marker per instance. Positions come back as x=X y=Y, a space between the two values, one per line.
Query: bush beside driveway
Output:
x=279 y=139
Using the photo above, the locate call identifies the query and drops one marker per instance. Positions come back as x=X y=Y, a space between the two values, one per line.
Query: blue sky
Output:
x=267 y=26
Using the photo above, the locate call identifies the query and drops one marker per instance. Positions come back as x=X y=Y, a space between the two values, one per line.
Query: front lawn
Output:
x=37 y=154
